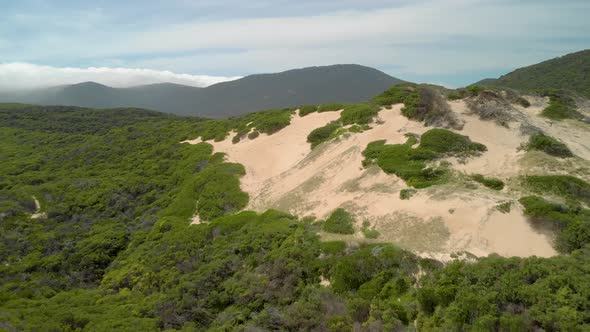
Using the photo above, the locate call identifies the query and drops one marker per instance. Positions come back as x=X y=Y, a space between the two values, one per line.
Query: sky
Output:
x=131 y=42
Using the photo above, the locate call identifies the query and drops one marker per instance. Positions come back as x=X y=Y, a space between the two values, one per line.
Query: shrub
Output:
x=549 y=145
x=504 y=207
x=406 y=194
x=565 y=186
x=491 y=183
x=235 y=139
x=322 y=134
x=447 y=142
x=371 y=233
x=307 y=109
x=330 y=107
x=404 y=161
x=359 y=114
x=561 y=106
x=332 y=247
x=454 y=96
x=522 y=102
x=253 y=135
x=559 y=111
x=340 y=221
x=572 y=224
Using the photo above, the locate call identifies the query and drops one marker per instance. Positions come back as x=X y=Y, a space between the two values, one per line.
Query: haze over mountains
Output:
x=313 y=85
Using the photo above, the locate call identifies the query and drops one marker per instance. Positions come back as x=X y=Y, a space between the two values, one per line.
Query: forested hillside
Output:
x=111 y=246
x=569 y=72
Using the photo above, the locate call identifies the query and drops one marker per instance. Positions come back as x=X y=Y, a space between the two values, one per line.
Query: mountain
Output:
x=569 y=72
x=312 y=85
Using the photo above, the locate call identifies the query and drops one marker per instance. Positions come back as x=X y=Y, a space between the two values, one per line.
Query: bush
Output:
x=491 y=183
x=522 y=102
x=307 y=109
x=235 y=139
x=561 y=106
x=359 y=114
x=371 y=233
x=340 y=221
x=572 y=224
x=447 y=142
x=504 y=207
x=330 y=107
x=322 y=134
x=253 y=135
x=549 y=145
x=565 y=186
x=406 y=194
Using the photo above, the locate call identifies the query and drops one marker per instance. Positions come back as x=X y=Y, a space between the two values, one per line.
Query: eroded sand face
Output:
x=283 y=173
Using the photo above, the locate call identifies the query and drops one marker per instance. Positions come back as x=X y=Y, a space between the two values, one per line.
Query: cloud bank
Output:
x=18 y=75
x=451 y=41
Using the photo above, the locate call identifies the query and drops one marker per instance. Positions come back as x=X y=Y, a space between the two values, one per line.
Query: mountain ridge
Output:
x=310 y=85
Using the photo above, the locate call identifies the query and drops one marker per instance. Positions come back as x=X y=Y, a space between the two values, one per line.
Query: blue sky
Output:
x=450 y=42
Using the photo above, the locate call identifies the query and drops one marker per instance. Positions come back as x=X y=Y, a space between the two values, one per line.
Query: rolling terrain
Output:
x=419 y=208
x=313 y=85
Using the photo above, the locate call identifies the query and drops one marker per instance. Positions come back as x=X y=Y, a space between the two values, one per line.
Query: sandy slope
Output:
x=283 y=173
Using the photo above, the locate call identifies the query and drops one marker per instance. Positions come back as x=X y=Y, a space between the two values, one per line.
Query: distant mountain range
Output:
x=312 y=85
x=568 y=72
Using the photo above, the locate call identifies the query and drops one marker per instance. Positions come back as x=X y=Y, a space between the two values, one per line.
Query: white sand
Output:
x=282 y=173
x=38 y=214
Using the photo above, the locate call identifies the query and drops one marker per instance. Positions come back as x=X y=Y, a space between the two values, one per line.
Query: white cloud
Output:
x=25 y=75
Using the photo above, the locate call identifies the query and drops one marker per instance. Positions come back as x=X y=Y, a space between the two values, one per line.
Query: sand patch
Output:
x=283 y=173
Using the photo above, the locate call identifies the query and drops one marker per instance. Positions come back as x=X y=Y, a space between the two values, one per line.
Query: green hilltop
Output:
x=569 y=72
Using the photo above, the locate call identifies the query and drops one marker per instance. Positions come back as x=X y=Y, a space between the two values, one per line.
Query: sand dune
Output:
x=283 y=173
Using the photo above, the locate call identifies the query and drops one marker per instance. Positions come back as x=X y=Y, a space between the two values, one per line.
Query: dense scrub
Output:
x=549 y=145
x=117 y=251
x=411 y=163
x=100 y=184
x=571 y=223
x=568 y=72
x=569 y=187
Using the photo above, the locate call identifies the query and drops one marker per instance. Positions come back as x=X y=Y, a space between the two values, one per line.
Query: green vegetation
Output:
x=566 y=186
x=358 y=114
x=446 y=142
x=504 y=207
x=268 y=122
x=561 y=105
x=253 y=135
x=340 y=221
x=407 y=193
x=549 y=145
x=410 y=163
x=330 y=107
x=564 y=72
x=117 y=252
x=368 y=232
x=489 y=182
x=522 y=102
x=421 y=103
x=307 y=109
x=572 y=223
x=322 y=134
